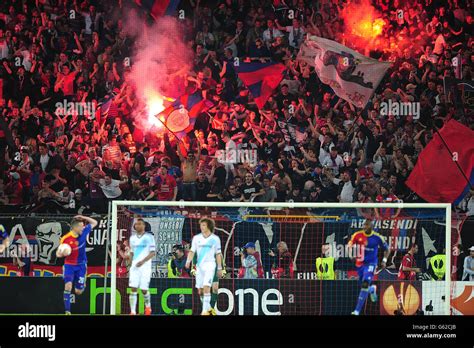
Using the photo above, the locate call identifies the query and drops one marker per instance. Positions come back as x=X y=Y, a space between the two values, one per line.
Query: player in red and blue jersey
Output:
x=75 y=264
x=370 y=242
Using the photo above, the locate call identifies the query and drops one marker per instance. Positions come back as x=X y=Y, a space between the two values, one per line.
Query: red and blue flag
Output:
x=180 y=117
x=159 y=8
x=106 y=108
x=261 y=79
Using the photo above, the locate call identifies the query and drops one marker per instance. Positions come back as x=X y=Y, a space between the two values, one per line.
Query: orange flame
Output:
x=155 y=104
x=363 y=26
x=368 y=28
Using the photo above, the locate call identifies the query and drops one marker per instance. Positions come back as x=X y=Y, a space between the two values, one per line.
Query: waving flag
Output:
x=261 y=79
x=352 y=76
x=446 y=183
x=181 y=115
x=106 y=108
x=159 y=8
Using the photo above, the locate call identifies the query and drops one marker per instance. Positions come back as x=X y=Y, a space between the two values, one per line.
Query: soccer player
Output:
x=142 y=251
x=408 y=269
x=75 y=264
x=215 y=286
x=207 y=247
x=371 y=242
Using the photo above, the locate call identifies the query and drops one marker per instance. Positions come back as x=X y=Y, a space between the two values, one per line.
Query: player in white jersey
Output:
x=142 y=251
x=207 y=247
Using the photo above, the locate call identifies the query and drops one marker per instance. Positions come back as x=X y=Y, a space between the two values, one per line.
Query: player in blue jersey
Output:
x=366 y=263
x=75 y=264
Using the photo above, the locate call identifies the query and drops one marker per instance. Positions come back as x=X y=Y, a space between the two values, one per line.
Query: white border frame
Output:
x=182 y=204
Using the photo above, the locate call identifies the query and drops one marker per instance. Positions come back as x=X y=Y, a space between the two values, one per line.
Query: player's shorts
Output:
x=205 y=274
x=139 y=277
x=366 y=273
x=75 y=274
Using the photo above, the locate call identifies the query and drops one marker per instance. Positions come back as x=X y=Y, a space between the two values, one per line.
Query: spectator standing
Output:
x=251 y=189
x=283 y=265
x=189 y=168
x=165 y=187
x=468 y=269
x=270 y=194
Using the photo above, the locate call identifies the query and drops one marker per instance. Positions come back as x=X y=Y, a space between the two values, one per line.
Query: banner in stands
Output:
x=289 y=133
x=168 y=232
x=34 y=241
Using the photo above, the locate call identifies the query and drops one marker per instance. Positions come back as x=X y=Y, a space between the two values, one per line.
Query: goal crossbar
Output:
x=334 y=217
x=273 y=205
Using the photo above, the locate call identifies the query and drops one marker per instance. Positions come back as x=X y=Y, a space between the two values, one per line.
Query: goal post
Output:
x=317 y=219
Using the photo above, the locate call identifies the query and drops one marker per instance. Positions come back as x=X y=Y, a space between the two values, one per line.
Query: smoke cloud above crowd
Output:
x=160 y=61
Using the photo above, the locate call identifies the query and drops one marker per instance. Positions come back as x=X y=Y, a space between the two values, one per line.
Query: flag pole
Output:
x=169 y=130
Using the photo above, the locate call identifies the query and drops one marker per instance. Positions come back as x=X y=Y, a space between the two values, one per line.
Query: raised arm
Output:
x=279 y=27
x=115 y=72
x=7 y=67
x=257 y=136
x=79 y=49
x=198 y=155
x=180 y=154
x=224 y=69
x=91 y=221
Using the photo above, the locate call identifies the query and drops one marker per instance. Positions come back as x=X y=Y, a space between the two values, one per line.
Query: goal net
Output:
x=305 y=264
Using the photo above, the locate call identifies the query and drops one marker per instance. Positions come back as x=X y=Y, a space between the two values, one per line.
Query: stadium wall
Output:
x=28 y=295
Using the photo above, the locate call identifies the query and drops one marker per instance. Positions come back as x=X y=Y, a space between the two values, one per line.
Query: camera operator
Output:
x=176 y=269
x=177 y=262
x=250 y=265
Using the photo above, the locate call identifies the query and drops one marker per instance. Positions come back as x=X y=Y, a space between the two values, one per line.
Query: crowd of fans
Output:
x=53 y=160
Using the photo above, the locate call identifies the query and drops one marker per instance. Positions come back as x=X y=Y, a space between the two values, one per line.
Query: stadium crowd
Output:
x=53 y=160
